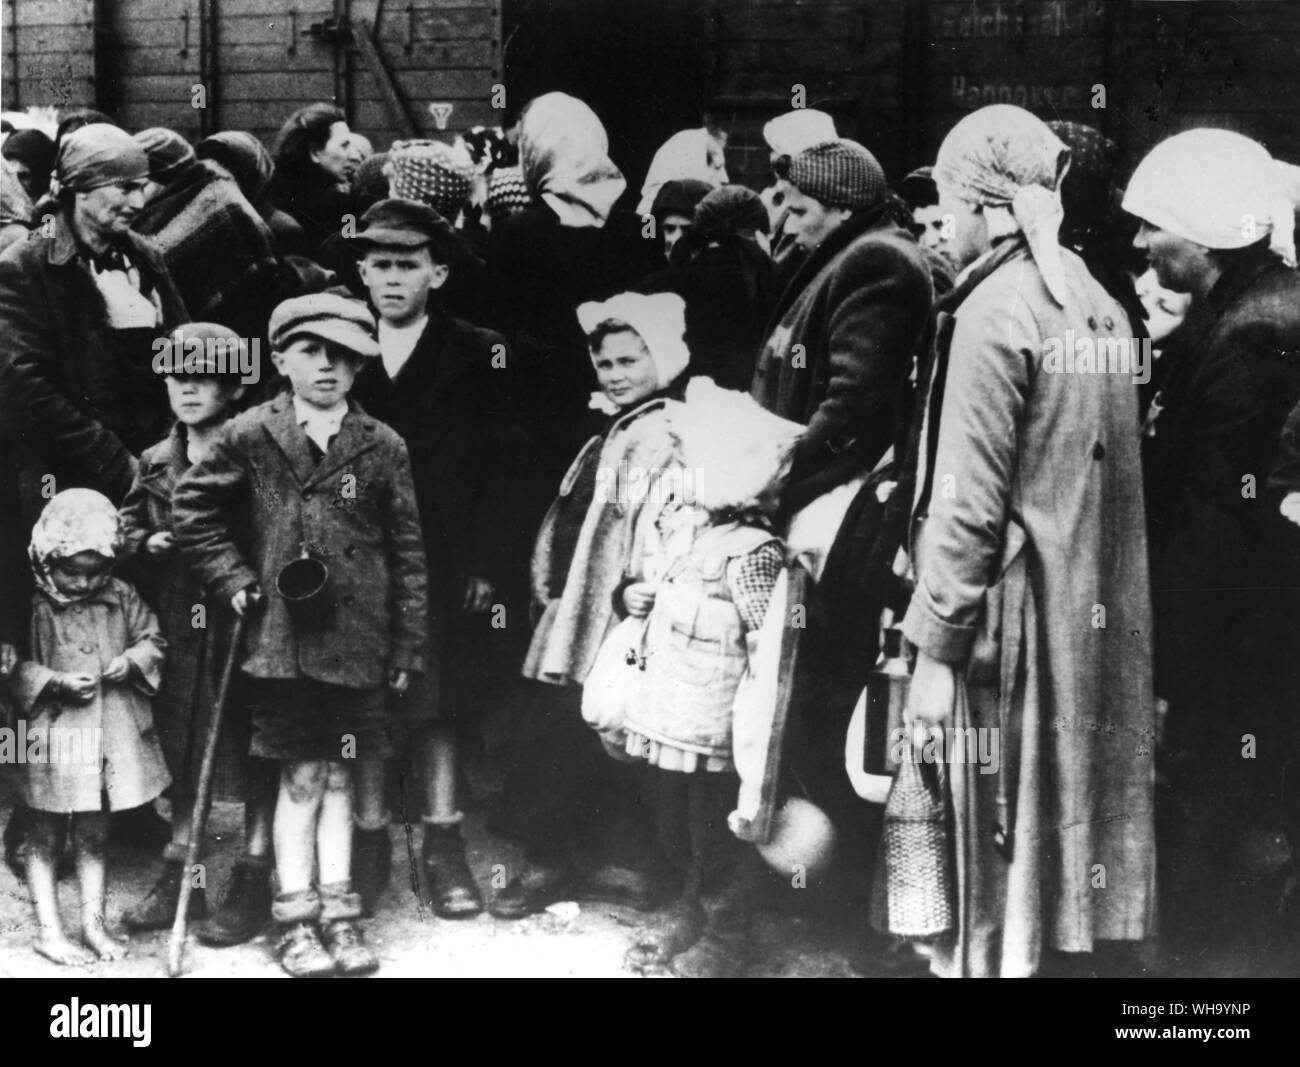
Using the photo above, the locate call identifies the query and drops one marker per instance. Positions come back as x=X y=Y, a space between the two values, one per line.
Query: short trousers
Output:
x=303 y=719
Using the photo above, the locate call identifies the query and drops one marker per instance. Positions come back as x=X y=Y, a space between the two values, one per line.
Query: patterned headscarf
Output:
x=432 y=173
x=507 y=194
x=1008 y=161
x=76 y=520
x=564 y=152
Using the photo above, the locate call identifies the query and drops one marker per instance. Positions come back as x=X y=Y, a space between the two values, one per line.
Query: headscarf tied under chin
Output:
x=76 y=520
x=658 y=319
x=1008 y=161
x=564 y=152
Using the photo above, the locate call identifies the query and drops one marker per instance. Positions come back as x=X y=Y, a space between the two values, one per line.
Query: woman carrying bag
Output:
x=1032 y=612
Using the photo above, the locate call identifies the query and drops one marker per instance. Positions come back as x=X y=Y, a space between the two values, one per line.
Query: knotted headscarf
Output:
x=564 y=152
x=98 y=155
x=1216 y=188
x=169 y=153
x=1008 y=161
x=76 y=520
x=245 y=157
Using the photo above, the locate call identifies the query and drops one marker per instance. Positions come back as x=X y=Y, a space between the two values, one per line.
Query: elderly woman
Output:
x=1031 y=614
x=79 y=310
x=1212 y=216
x=315 y=159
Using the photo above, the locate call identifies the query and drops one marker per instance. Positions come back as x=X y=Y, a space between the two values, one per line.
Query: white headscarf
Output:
x=683 y=156
x=791 y=133
x=1214 y=187
x=76 y=520
x=658 y=319
x=564 y=153
x=1007 y=160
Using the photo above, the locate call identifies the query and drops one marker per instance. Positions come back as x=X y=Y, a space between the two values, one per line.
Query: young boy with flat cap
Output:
x=441 y=384
x=310 y=476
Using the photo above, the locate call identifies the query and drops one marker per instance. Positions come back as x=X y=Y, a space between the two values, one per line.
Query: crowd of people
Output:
x=822 y=411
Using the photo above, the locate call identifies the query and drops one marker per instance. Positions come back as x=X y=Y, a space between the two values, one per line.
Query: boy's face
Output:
x=197 y=400
x=319 y=371
x=80 y=575
x=399 y=280
x=624 y=369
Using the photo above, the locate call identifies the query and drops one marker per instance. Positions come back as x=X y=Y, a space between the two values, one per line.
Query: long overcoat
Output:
x=1032 y=580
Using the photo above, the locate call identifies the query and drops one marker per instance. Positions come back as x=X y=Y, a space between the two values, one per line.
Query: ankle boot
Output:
x=372 y=865
x=157 y=909
x=452 y=888
x=245 y=906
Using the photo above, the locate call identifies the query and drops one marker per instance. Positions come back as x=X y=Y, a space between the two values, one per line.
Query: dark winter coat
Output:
x=260 y=497
x=77 y=406
x=1225 y=623
x=857 y=306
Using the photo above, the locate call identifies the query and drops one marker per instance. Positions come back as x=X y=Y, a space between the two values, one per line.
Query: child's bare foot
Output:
x=60 y=950
x=104 y=944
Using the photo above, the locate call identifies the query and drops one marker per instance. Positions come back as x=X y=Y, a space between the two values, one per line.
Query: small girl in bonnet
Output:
x=89 y=734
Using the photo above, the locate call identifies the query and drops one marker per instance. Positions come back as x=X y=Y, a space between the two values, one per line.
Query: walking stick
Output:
x=203 y=794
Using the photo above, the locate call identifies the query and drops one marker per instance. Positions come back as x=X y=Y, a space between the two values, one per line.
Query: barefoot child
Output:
x=204 y=393
x=96 y=660
x=310 y=475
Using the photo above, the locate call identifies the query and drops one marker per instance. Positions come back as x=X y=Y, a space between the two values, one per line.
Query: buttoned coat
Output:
x=260 y=501
x=119 y=751
x=1032 y=582
x=76 y=408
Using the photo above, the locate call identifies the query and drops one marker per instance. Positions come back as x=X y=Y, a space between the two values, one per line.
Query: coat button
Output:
x=306 y=494
x=350 y=550
x=1098 y=451
x=1092 y=322
x=349 y=600
x=87 y=649
x=1110 y=323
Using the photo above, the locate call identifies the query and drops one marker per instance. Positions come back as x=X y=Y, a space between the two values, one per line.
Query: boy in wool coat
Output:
x=309 y=476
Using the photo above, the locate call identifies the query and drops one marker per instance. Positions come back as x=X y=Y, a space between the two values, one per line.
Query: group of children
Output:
x=229 y=500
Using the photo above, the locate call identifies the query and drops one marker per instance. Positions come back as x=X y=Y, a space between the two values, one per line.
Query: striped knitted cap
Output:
x=507 y=193
x=432 y=173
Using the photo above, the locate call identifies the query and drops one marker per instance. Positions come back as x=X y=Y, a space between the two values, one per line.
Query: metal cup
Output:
x=303 y=584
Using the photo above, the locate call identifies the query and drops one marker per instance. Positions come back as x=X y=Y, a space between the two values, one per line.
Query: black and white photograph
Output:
x=651 y=488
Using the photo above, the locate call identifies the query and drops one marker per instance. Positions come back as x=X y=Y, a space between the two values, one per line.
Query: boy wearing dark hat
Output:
x=204 y=365
x=439 y=382
x=310 y=479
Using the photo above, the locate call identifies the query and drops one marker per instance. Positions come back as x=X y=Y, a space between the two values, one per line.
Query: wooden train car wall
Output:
x=896 y=74
x=250 y=62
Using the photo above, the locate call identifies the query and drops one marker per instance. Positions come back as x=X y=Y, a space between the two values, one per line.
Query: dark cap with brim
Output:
x=208 y=350
x=395 y=223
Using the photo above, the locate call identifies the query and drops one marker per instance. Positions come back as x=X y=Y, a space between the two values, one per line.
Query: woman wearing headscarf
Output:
x=569 y=246
x=1222 y=557
x=246 y=160
x=218 y=250
x=1031 y=613
x=722 y=270
x=673 y=209
x=15 y=208
x=689 y=155
x=315 y=159
x=79 y=310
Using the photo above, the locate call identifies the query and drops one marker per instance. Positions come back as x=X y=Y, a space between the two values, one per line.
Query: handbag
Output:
x=616 y=677
x=917 y=847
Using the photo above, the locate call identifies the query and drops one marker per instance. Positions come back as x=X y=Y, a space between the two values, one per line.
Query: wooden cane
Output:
x=203 y=794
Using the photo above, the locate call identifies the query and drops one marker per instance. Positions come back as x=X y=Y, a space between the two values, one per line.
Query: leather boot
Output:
x=452 y=888
x=245 y=906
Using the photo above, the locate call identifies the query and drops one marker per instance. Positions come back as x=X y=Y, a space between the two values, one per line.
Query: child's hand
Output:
x=8 y=660
x=159 y=544
x=399 y=681
x=1291 y=507
x=478 y=596
x=76 y=688
x=117 y=670
x=639 y=598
